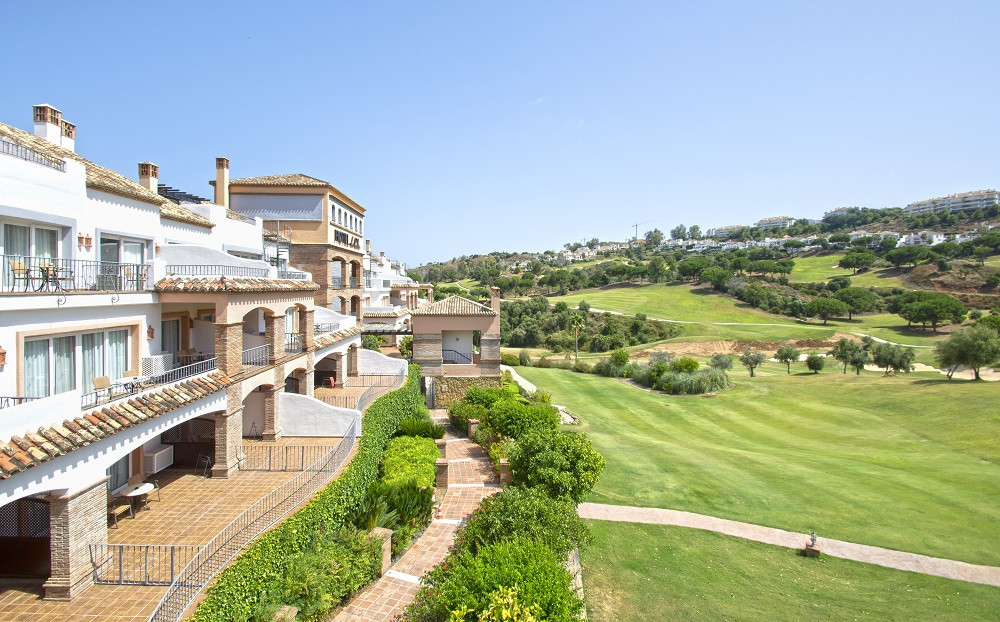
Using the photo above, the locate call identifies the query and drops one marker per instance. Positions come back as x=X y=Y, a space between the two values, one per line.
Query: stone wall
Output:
x=76 y=521
x=448 y=390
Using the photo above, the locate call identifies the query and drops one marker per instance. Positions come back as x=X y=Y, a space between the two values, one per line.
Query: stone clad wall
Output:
x=451 y=389
x=76 y=522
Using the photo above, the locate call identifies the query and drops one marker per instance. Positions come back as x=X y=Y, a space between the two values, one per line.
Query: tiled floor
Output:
x=192 y=511
x=385 y=599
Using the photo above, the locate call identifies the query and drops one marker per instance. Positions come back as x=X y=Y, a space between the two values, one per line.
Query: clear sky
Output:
x=470 y=126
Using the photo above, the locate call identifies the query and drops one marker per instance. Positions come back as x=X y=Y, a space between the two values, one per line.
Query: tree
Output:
x=974 y=347
x=887 y=243
x=751 y=359
x=372 y=342
x=926 y=307
x=656 y=269
x=406 y=347
x=858 y=300
x=859 y=359
x=691 y=268
x=858 y=259
x=827 y=308
x=845 y=351
x=787 y=354
x=891 y=357
x=722 y=362
x=981 y=253
x=678 y=232
x=654 y=238
x=716 y=276
x=815 y=363
x=576 y=322
x=694 y=232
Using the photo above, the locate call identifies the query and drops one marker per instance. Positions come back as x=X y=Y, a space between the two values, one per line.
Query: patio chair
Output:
x=135 y=278
x=19 y=273
x=113 y=503
x=204 y=463
x=139 y=480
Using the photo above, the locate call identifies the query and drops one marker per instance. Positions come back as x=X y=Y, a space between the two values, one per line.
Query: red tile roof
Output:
x=34 y=448
x=330 y=339
x=233 y=284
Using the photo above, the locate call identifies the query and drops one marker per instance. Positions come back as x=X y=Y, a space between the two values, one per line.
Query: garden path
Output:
x=471 y=478
x=912 y=562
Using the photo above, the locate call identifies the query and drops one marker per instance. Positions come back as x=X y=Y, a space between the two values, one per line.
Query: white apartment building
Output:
x=139 y=331
x=775 y=222
x=962 y=202
x=922 y=238
x=723 y=232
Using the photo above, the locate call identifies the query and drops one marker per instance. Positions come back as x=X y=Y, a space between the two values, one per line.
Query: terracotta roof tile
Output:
x=34 y=448
x=104 y=179
x=454 y=305
x=293 y=180
x=336 y=337
x=233 y=284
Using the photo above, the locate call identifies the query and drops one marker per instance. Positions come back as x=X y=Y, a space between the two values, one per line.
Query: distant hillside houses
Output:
x=965 y=201
x=775 y=222
x=724 y=231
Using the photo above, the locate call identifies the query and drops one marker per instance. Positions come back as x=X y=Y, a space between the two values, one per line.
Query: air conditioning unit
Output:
x=156 y=459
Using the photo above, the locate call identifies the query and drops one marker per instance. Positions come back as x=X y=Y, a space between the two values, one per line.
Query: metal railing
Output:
x=140 y=564
x=327 y=327
x=454 y=356
x=7 y=402
x=336 y=282
x=216 y=270
x=376 y=386
x=281 y=458
x=29 y=154
x=141 y=383
x=292 y=275
x=230 y=214
x=246 y=527
x=44 y=274
x=293 y=342
x=257 y=356
x=355 y=282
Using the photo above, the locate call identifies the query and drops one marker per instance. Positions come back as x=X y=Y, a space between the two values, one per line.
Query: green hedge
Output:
x=242 y=587
x=408 y=457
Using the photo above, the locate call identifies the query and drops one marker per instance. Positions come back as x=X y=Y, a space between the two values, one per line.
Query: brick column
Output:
x=307 y=328
x=427 y=353
x=272 y=415
x=274 y=332
x=352 y=361
x=309 y=382
x=229 y=348
x=76 y=521
x=341 y=358
x=489 y=360
x=229 y=434
x=441 y=473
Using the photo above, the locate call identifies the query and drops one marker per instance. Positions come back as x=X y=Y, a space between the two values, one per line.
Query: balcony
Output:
x=27 y=275
x=27 y=153
x=8 y=402
x=257 y=356
x=293 y=343
x=206 y=270
x=341 y=283
x=127 y=387
x=457 y=358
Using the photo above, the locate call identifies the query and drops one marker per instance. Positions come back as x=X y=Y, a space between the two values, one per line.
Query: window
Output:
x=118 y=474
x=122 y=250
x=30 y=241
x=49 y=366
x=170 y=336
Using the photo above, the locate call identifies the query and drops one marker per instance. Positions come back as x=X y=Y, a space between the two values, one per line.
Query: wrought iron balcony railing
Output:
x=23 y=274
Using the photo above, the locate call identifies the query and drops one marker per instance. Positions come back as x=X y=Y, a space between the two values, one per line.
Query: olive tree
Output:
x=751 y=359
x=787 y=354
x=974 y=347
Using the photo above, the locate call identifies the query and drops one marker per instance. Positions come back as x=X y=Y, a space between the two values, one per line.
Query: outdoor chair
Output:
x=19 y=273
x=113 y=503
x=204 y=463
x=135 y=279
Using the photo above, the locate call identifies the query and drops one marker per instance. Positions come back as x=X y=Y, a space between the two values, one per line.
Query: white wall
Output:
x=457 y=340
x=302 y=415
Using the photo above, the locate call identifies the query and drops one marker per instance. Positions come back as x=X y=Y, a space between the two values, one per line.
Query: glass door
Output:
x=16 y=249
x=93 y=359
x=170 y=337
x=109 y=264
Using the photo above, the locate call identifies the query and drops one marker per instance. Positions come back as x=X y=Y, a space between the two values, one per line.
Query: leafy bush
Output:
x=513 y=419
x=245 y=586
x=524 y=513
x=583 y=368
x=465 y=582
x=524 y=358
x=420 y=426
x=502 y=605
x=722 y=362
x=705 y=381
x=410 y=457
x=484 y=396
x=815 y=363
x=543 y=362
x=563 y=464
x=684 y=365
x=511 y=360
x=407 y=507
x=459 y=414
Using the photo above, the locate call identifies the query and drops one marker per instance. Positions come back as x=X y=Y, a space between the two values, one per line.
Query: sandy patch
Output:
x=726 y=346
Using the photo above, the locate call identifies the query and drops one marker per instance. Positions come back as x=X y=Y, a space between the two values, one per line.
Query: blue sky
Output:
x=467 y=127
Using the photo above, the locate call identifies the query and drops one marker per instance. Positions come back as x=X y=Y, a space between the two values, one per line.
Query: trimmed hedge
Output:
x=243 y=586
x=410 y=457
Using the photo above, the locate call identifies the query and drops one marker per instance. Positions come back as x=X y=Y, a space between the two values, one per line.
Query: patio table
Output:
x=138 y=495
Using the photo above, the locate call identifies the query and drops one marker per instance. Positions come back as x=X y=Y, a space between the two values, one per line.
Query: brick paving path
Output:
x=471 y=479
x=912 y=562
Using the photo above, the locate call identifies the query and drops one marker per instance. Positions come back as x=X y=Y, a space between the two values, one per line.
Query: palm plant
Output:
x=576 y=322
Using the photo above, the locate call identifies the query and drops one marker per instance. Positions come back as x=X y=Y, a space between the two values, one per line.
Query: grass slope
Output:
x=911 y=463
x=823 y=267
x=653 y=572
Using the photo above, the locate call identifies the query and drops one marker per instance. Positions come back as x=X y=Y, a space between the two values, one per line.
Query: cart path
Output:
x=899 y=560
x=471 y=479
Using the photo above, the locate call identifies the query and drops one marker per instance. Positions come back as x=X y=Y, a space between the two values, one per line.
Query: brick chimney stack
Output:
x=149 y=175
x=222 y=182
x=495 y=299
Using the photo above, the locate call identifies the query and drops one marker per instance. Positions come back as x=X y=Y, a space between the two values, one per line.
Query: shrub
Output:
x=541 y=396
x=523 y=358
x=705 y=381
x=244 y=587
x=563 y=464
x=410 y=457
x=975 y=314
x=684 y=365
x=815 y=363
x=372 y=342
x=465 y=582
x=411 y=507
x=420 y=426
x=513 y=419
x=583 y=368
x=511 y=360
x=459 y=414
x=722 y=362
x=619 y=357
x=524 y=513
x=543 y=363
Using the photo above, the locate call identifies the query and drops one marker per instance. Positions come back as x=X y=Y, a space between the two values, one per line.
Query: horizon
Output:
x=543 y=125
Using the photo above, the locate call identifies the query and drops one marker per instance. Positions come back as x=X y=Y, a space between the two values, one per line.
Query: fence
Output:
x=47 y=274
x=453 y=356
x=293 y=342
x=29 y=154
x=376 y=385
x=257 y=356
x=126 y=389
x=281 y=458
x=327 y=327
x=216 y=270
x=7 y=402
x=246 y=527
x=140 y=564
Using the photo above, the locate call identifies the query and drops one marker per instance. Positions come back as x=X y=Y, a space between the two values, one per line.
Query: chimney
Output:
x=368 y=246
x=222 y=182
x=495 y=299
x=148 y=174
x=68 y=138
x=48 y=122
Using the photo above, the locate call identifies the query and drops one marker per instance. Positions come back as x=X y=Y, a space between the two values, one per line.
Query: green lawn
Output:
x=909 y=462
x=823 y=267
x=653 y=572
x=705 y=307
